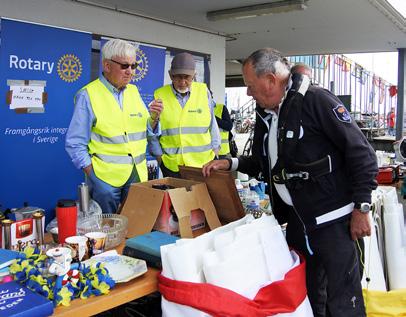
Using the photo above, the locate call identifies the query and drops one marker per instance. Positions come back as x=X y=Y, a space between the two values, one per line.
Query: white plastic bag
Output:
x=241 y=261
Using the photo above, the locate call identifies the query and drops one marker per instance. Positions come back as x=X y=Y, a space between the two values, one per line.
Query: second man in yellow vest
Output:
x=190 y=135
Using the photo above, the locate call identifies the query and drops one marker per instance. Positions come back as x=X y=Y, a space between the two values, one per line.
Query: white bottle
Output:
x=240 y=188
x=252 y=201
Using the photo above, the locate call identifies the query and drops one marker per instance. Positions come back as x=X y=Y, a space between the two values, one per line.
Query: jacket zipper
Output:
x=309 y=249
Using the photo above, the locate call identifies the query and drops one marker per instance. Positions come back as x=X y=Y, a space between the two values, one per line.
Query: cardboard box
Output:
x=168 y=220
x=146 y=206
x=222 y=190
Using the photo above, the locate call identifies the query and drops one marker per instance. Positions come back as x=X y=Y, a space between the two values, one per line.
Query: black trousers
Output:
x=332 y=273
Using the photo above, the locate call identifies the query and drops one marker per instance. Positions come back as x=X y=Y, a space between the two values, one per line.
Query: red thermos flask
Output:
x=67 y=216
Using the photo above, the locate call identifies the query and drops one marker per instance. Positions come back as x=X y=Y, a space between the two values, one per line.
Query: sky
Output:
x=383 y=64
x=399 y=5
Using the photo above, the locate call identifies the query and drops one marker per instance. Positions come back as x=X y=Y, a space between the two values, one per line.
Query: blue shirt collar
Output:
x=109 y=86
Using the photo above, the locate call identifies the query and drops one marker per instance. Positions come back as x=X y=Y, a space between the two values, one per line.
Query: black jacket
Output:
x=327 y=130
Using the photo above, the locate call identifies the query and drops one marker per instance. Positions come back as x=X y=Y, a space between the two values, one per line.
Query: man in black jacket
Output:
x=322 y=172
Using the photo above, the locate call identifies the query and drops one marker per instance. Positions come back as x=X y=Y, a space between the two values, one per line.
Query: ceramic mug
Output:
x=97 y=241
x=79 y=247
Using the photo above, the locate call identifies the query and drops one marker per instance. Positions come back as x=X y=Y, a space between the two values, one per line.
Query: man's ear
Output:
x=106 y=66
x=270 y=78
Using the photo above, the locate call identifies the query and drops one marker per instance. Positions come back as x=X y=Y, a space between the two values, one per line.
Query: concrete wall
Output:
x=69 y=14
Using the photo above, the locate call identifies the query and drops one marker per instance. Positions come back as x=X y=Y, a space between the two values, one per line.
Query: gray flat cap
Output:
x=183 y=63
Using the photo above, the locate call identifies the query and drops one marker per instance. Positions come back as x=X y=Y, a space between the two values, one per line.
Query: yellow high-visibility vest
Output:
x=185 y=138
x=119 y=139
x=225 y=145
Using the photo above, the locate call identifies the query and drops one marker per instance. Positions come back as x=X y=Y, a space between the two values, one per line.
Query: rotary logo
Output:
x=198 y=110
x=142 y=65
x=69 y=68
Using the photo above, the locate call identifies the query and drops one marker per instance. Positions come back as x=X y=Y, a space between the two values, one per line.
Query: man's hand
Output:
x=159 y=159
x=214 y=166
x=88 y=169
x=155 y=108
x=360 y=225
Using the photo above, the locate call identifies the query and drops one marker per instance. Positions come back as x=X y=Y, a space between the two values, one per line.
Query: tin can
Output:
x=6 y=224
x=38 y=226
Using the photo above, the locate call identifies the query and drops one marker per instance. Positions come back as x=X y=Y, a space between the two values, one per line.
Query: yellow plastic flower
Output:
x=29 y=251
x=40 y=280
x=15 y=267
x=104 y=288
x=40 y=258
x=66 y=295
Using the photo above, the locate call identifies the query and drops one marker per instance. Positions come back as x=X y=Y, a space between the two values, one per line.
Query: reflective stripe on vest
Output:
x=121 y=159
x=185 y=138
x=187 y=149
x=118 y=139
x=225 y=145
x=185 y=130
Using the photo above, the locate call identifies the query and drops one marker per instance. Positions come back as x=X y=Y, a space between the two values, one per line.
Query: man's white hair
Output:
x=269 y=60
x=118 y=48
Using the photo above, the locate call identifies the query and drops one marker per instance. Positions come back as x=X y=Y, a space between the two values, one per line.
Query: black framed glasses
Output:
x=126 y=65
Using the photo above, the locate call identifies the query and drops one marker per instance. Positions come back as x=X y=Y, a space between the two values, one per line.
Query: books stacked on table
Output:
x=18 y=300
x=7 y=257
x=148 y=247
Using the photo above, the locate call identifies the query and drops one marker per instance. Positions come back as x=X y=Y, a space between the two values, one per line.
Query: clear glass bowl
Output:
x=115 y=226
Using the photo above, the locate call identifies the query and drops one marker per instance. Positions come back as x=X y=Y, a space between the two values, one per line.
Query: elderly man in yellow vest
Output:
x=107 y=136
x=190 y=135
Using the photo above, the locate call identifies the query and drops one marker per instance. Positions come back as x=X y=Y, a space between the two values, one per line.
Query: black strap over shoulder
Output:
x=287 y=169
x=289 y=122
x=289 y=127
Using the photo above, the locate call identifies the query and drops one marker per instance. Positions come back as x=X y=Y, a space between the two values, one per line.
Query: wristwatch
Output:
x=363 y=207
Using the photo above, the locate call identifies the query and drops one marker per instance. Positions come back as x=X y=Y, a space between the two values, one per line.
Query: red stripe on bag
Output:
x=278 y=297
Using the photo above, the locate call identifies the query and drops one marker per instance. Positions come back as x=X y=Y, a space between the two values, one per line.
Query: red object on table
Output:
x=386 y=175
x=67 y=216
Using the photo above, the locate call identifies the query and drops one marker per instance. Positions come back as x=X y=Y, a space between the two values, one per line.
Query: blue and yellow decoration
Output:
x=82 y=282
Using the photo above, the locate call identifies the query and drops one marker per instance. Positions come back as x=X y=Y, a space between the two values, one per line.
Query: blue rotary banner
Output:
x=149 y=74
x=41 y=69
